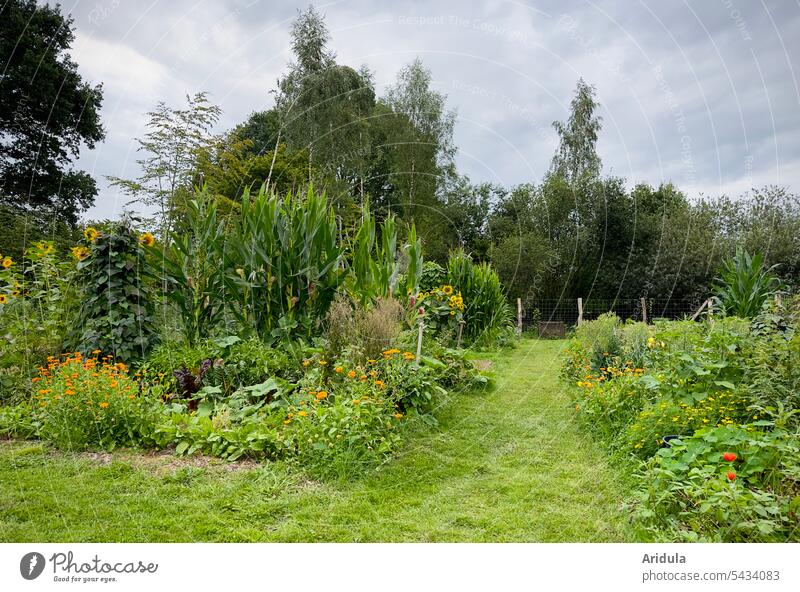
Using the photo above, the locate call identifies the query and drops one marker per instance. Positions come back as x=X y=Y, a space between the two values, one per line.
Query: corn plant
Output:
x=282 y=263
x=373 y=263
x=192 y=265
x=744 y=285
x=487 y=310
x=413 y=255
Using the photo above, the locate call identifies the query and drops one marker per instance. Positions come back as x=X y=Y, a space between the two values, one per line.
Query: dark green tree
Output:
x=47 y=111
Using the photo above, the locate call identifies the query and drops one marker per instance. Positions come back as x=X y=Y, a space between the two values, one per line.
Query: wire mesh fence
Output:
x=567 y=311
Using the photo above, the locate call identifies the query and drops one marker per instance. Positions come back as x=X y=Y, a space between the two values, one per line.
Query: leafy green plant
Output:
x=37 y=308
x=725 y=484
x=487 y=312
x=744 y=284
x=89 y=402
x=192 y=267
x=116 y=306
x=373 y=263
x=283 y=264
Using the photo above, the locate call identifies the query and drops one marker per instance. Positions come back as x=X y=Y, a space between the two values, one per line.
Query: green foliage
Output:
x=487 y=312
x=432 y=275
x=745 y=285
x=283 y=264
x=374 y=264
x=696 y=391
x=171 y=146
x=47 y=112
x=86 y=402
x=115 y=314
x=193 y=269
x=38 y=310
x=576 y=159
x=687 y=494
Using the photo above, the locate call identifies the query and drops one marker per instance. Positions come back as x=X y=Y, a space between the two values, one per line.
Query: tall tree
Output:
x=171 y=145
x=576 y=158
x=46 y=112
x=324 y=106
x=423 y=152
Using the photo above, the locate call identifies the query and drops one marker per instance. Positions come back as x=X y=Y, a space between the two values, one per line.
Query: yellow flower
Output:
x=448 y=289
x=323 y=363
x=90 y=234
x=80 y=253
x=7 y=262
x=302 y=413
x=3 y=298
x=103 y=405
x=398 y=415
x=306 y=363
x=379 y=383
x=147 y=240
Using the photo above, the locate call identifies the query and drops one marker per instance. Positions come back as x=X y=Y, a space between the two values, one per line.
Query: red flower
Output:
x=729 y=456
x=421 y=310
x=731 y=476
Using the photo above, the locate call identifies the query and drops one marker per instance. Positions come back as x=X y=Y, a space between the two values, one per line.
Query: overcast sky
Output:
x=704 y=94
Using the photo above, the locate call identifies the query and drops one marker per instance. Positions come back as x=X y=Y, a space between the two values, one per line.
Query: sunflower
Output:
x=147 y=239
x=448 y=290
x=8 y=262
x=3 y=298
x=90 y=234
x=80 y=253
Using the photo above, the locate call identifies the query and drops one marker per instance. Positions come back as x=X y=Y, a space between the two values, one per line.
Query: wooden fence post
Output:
x=419 y=341
x=644 y=311
x=519 y=316
x=580 y=310
x=461 y=324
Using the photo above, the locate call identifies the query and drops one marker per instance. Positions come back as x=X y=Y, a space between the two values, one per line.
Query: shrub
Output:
x=86 y=401
x=342 y=431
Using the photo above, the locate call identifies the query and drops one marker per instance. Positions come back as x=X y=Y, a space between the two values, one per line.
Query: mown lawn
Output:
x=504 y=465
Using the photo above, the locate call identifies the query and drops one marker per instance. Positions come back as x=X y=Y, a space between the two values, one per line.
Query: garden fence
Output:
x=569 y=310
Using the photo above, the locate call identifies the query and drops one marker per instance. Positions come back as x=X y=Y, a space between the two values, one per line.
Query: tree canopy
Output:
x=47 y=111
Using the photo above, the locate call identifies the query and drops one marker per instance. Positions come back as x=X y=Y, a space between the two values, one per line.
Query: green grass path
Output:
x=504 y=465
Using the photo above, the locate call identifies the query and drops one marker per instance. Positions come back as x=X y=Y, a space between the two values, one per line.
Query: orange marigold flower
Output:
x=103 y=405
x=379 y=383
x=351 y=374
x=302 y=413
x=338 y=369
x=322 y=395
